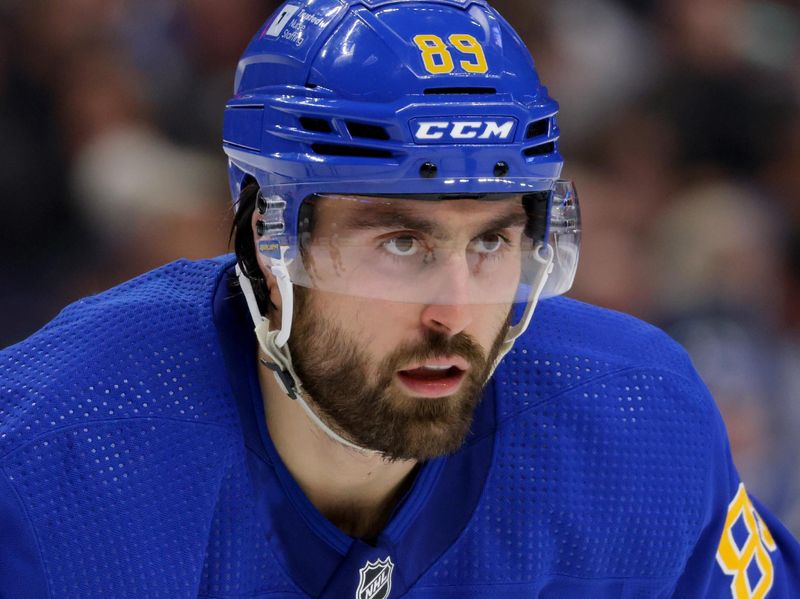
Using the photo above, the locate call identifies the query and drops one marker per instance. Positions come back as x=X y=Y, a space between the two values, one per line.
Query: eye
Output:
x=403 y=246
x=488 y=244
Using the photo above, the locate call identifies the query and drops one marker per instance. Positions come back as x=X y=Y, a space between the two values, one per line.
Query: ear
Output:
x=274 y=292
x=272 y=284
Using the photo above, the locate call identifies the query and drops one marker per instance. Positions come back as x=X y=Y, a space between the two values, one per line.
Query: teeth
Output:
x=430 y=367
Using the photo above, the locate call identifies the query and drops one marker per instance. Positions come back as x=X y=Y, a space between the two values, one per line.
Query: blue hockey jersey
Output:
x=135 y=463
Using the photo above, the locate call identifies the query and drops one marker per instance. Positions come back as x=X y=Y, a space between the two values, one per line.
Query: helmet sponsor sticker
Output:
x=297 y=25
x=281 y=20
x=474 y=130
x=271 y=248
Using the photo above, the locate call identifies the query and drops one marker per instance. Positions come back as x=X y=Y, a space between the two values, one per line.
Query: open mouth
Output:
x=433 y=380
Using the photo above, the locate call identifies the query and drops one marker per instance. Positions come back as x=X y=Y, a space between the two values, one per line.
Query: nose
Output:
x=450 y=319
x=450 y=310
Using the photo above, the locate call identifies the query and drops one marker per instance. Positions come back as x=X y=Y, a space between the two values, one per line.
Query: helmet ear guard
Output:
x=564 y=237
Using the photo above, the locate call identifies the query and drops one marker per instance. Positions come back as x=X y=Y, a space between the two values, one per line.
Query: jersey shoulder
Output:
x=572 y=345
x=569 y=326
x=623 y=375
x=143 y=349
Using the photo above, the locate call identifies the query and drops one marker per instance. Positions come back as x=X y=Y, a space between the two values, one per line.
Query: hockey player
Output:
x=361 y=404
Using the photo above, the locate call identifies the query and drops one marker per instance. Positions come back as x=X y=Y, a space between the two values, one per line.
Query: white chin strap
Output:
x=275 y=344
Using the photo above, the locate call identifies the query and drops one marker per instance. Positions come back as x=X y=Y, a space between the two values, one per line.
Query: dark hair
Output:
x=243 y=245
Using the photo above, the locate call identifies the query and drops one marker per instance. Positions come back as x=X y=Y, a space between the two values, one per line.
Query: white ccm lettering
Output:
x=464 y=130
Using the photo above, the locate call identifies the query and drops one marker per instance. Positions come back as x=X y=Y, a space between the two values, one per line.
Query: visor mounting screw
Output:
x=501 y=169
x=262 y=203
x=428 y=170
x=261 y=228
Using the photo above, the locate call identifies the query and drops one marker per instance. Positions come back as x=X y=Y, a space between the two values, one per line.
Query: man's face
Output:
x=404 y=377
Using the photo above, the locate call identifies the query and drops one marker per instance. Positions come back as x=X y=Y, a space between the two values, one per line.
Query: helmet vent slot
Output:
x=469 y=91
x=350 y=151
x=538 y=128
x=316 y=125
x=541 y=150
x=366 y=131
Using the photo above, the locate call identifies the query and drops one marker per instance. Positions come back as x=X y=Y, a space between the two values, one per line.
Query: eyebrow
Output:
x=394 y=217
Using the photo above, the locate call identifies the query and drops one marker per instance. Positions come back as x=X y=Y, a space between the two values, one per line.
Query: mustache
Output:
x=435 y=345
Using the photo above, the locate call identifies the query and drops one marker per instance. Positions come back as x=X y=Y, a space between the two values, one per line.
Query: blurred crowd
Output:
x=680 y=123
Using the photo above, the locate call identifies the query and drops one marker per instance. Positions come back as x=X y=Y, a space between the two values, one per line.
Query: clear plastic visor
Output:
x=416 y=251
x=448 y=249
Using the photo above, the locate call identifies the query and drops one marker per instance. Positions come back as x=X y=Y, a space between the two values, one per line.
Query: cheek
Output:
x=488 y=322
x=379 y=327
x=374 y=326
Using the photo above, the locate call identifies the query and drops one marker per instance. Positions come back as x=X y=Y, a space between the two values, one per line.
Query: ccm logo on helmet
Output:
x=466 y=130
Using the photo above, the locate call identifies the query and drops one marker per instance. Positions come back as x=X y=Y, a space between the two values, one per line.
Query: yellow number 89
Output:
x=439 y=61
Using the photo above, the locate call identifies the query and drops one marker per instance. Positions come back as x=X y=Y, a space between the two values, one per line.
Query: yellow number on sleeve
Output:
x=467 y=44
x=435 y=54
x=736 y=557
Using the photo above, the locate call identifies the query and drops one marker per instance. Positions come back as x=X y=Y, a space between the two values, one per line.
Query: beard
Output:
x=365 y=406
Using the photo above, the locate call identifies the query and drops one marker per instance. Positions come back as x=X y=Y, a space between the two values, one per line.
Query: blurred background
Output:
x=680 y=126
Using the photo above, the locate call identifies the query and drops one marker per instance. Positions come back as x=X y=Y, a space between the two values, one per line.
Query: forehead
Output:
x=360 y=212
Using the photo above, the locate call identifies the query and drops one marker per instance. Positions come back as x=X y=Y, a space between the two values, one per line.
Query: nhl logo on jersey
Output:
x=376 y=580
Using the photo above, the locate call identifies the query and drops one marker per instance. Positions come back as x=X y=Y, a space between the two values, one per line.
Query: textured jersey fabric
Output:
x=135 y=463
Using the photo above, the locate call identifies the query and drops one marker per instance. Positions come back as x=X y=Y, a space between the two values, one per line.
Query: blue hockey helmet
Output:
x=379 y=102
x=377 y=89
